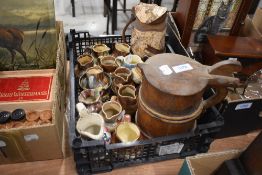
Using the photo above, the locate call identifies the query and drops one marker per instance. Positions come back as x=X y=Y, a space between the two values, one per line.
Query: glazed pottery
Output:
x=127 y=98
x=111 y=110
x=176 y=85
x=85 y=61
x=108 y=63
x=121 y=49
x=129 y=61
x=95 y=78
x=127 y=132
x=89 y=124
x=137 y=75
x=89 y=96
x=124 y=74
x=100 y=50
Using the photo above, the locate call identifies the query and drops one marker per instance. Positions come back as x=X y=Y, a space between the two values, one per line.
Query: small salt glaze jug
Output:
x=108 y=63
x=127 y=98
x=85 y=61
x=100 y=50
x=121 y=49
x=111 y=110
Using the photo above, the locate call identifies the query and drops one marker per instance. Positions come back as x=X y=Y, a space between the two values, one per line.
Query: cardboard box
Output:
x=206 y=164
x=41 y=142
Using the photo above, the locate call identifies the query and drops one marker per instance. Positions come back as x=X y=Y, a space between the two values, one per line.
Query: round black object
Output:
x=18 y=114
x=4 y=117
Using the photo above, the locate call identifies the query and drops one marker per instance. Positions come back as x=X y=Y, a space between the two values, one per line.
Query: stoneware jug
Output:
x=95 y=78
x=100 y=50
x=85 y=61
x=170 y=97
x=129 y=61
x=127 y=132
x=121 y=49
x=124 y=74
x=111 y=110
x=121 y=75
x=127 y=98
x=108 y=63
x=89 y=96
x=89 y=124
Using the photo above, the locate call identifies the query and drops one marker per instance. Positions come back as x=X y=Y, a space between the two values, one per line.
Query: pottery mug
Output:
x=89 y=96
x=100 y=50
x=85 y=61
x=124 y=74
x=129 y=61
x=121 y=49
x=89 y=124
x=95 y=78
x=94 y=75
x=111 y=110
x=127 y=98
x=108 y=63
x=127 y=132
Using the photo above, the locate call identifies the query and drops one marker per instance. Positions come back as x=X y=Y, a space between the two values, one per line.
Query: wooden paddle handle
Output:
x=220 y=79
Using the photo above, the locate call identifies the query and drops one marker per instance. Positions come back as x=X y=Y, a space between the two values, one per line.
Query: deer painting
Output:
x=12 y=39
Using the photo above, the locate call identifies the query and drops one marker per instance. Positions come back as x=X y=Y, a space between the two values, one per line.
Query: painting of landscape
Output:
x=27 y=34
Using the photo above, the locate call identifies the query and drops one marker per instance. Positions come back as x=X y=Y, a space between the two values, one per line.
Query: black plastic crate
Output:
x=93 y=156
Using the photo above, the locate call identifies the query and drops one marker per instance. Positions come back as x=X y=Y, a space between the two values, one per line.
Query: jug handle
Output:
x=219 y=82
x=220 y=94
x=132 y=19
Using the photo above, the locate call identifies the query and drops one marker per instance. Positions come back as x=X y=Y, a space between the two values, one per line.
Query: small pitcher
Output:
x=121 y=49
x=127 y=132
x=89 y=96
x=129 y=61
x=111 y=110
x=124 y=74
x=85 y=61
x=127 y=98
x=89 y=124
x=108 y=63
x=100 y=50
x=94 y=75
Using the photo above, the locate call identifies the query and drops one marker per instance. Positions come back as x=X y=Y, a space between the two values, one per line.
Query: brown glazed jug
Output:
x=170 y=97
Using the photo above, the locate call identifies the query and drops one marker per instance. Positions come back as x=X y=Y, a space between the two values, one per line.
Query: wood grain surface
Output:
x=170 y=167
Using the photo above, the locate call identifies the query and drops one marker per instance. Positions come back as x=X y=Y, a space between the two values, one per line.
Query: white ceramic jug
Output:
x=89 y=124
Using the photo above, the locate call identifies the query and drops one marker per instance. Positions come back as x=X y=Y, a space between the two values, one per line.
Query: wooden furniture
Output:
x=247 y=50
x=186 y=12
x=251 y=158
